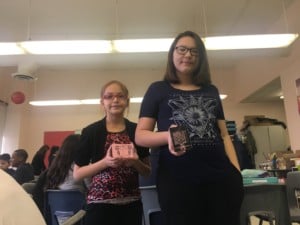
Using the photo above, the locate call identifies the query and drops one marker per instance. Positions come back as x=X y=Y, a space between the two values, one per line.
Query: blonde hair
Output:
x=122 y=86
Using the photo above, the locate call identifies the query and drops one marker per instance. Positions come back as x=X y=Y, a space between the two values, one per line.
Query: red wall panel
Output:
x=55 y=137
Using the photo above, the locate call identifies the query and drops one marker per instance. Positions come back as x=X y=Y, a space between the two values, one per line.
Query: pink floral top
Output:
x=115 y=185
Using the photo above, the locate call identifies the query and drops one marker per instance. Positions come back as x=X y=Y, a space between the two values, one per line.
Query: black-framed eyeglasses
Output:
x=182 y=50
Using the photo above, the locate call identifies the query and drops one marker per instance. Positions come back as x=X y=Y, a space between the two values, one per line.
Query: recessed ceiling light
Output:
x=84 y=101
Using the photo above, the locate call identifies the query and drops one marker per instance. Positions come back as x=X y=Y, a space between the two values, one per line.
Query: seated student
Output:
x=16 y=207
x=37 y=162
x=5 y=164
x=53 y=152
x=24 y=172
x=60 y=172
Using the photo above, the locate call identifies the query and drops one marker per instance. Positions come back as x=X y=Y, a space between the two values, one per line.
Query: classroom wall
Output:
x=288 y=79
x=26 y=124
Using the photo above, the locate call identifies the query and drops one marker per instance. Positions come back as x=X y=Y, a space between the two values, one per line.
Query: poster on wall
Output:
x=55 y=138
x=298 y=93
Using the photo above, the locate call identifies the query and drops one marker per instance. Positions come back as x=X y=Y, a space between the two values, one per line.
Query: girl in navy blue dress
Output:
x=200 y=183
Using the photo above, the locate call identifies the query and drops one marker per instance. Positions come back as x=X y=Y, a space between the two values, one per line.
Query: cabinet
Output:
x=268 y=139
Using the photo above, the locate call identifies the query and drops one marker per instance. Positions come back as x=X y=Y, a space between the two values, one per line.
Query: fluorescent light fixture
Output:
x=67 y=47
x=84 y=102
x=76 y=102
x=55 y=103
x=136 y=99
x=65 y=102
x=90 y=101
x=143 y=45
x=223 y=96
x=249 y=41
x=97 y=101
x=10 y=48
x=211 y=43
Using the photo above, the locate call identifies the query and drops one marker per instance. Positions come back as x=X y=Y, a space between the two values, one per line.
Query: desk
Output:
x=266 y=197
x=258 y=197
x=280 y=173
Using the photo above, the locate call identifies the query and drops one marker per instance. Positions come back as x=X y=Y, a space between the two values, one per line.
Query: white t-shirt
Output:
x=70 y=183
x=16 y=206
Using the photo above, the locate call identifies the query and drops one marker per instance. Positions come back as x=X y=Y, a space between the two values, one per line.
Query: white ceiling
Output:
x=22 y=20
x=109 y=19
x=267 y=93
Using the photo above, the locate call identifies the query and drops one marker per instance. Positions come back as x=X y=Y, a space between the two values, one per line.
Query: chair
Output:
x=292 y=185
x=75 y=218
x=155 y=217
x=60 y=205
x=29 y=187
x=267 y=198
x=263 y=216
x=149 y=200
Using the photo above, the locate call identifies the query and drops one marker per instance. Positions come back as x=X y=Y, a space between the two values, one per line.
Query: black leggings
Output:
x=201 y=204
x=112 y=214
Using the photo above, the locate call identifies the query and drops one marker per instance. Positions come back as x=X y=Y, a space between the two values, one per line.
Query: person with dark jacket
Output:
x=24 y=172
x=114 y=197
x=38 y=160
x=5 y=164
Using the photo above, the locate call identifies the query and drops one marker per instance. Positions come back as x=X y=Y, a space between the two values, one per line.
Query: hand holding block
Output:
x=180 y=138
x=123 y=151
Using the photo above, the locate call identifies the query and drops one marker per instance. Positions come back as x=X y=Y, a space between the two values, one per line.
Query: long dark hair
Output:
x=62 y=162
x=42 y=150
x=201 y=75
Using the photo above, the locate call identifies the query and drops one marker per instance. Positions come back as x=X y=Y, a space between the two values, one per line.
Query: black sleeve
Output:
x=37 y=165
x=83 y=156
x=24 y=173
x=38 y=191
x=142 y=152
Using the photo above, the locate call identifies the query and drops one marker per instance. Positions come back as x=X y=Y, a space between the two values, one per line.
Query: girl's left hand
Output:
x=133 y=157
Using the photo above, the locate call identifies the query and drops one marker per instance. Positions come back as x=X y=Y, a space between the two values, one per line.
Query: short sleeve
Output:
x=150 y=103
x=220 y=111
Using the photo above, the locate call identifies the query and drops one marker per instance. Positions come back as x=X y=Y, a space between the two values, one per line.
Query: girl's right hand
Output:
x=111 y=161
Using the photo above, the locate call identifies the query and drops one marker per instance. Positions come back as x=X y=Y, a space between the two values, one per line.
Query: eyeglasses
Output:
x=111 y=97
x=182 y=50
